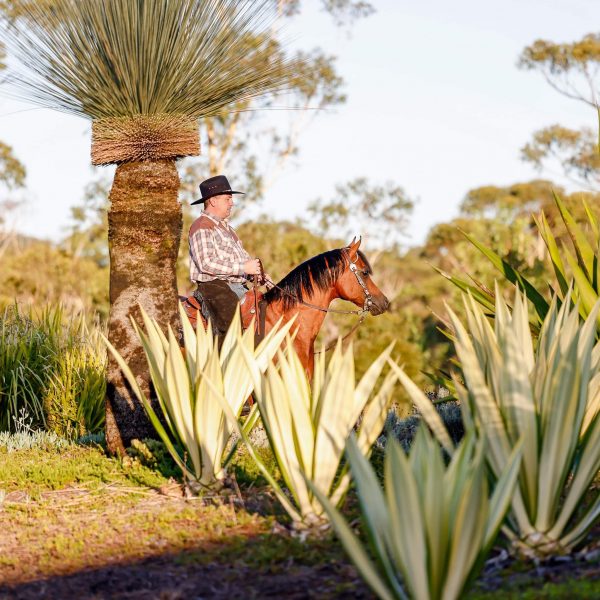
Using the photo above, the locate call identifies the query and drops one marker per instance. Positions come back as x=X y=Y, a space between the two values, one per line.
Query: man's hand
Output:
x=267 y=281
x=252 y=267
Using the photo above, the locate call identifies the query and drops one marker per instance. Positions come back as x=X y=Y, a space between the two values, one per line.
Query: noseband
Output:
x=368 y=298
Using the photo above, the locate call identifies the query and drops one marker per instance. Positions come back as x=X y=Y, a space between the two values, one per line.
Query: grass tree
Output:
x=144 y=72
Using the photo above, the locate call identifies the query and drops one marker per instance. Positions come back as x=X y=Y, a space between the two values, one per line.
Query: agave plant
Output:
x=581 y=265
x=191 y=409
x=548 y=397
x=432 y=527
x=307 y=426
x=143 y=72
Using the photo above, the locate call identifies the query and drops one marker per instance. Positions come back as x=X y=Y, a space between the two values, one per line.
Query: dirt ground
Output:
x=75 y=524
x=120 y=543
x=163 y=579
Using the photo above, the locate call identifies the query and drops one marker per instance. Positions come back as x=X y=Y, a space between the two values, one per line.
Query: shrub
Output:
x=52 y=367
x=404 y=430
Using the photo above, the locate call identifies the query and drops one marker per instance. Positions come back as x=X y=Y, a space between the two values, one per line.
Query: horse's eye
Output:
x=366 y=273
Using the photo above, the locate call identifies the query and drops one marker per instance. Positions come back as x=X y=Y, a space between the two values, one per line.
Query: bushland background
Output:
x=254 y=148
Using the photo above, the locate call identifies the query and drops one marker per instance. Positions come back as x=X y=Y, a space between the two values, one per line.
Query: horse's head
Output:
x=356 y=285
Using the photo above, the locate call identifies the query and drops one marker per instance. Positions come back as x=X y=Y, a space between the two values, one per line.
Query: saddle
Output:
x=193 y=309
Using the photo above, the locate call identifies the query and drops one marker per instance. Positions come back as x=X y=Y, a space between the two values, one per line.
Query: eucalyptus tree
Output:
x=144 y=72
x=573 y=70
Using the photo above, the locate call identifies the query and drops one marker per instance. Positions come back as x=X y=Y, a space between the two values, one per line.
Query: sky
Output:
x=435 y=105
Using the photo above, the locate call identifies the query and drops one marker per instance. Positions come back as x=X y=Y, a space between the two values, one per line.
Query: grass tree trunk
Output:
x=144 y=230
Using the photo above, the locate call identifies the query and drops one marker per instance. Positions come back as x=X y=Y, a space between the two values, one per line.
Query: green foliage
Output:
x=546 y=399
x=53 y=467
x=87 y=238
x=572 y=70
x=12 y=172
x=74 y=397
x=154 y=455
x=307 y=424
x=521 y=589
x=579 y=264
x=281 y=245
x=51 y=368
x=182 y=57
x=38 y=272
x=559 y=63
x=576 y=151
x=432 y=526
x=405 y=429
x=506 y=204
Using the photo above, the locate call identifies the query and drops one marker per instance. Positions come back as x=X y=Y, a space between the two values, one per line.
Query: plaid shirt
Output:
x=216 y=251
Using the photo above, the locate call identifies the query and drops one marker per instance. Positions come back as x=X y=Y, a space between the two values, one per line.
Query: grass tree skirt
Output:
x=144 y=137
x=144 y=229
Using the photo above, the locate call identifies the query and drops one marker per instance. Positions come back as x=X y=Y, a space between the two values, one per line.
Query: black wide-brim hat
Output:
x=214 y=186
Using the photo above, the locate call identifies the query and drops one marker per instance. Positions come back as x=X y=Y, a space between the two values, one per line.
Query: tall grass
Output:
x=52 y=370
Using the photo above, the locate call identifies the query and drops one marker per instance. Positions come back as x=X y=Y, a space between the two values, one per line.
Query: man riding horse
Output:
x=219 y=264
x=221 y=268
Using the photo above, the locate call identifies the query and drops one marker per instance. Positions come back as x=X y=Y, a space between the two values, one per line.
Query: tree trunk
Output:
x=144 y=230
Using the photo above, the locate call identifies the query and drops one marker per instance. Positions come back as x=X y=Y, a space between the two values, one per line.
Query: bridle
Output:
x=352 y=265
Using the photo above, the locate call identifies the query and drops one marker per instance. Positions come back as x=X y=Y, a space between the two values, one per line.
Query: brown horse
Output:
x=308 y=290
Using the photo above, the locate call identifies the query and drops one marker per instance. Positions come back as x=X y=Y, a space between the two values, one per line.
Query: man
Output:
x=219 y=265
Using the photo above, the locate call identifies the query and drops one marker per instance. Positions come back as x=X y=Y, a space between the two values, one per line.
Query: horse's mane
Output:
x=321 y=272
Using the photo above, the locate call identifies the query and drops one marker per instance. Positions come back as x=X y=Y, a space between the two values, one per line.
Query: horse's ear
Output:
x=354 y=246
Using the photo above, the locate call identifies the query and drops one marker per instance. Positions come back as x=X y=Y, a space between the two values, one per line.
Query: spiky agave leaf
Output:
x=200 y=390
x=544 y=399
x=307 y=425
x=432 y=526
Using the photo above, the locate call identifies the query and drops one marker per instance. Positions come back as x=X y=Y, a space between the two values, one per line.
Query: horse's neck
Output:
x=308 y=318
